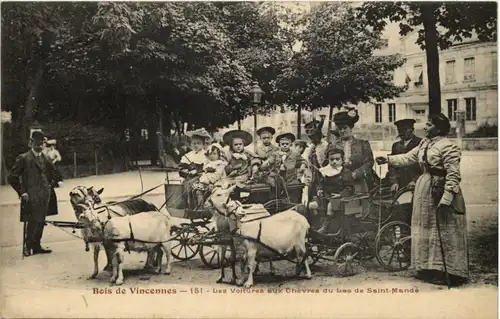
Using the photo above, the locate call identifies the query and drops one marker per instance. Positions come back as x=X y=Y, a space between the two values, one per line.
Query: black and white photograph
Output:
x=249 y=159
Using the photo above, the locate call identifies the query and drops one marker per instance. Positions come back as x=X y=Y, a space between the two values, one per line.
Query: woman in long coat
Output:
x=358 y=155
x=437 y=198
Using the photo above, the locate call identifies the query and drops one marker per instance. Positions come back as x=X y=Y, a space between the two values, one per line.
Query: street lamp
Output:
x=256 y=96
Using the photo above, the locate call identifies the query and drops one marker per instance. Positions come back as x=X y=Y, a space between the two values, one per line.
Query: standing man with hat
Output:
x=265 y=148
x=402 y=176
x=32 y=178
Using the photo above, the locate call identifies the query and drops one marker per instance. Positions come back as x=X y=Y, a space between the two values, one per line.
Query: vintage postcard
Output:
x=272 y=159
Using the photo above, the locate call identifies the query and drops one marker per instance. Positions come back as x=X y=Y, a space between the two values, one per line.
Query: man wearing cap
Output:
x=265 y=148
x=32 y=178
x=407 y=140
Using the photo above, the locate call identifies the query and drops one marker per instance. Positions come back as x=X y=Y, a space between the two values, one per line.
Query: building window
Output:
x=452 y=109
x=144 y=134
x=450 y=71
x=392 y=112
x=470 y=109
x=469 y=69
x=419 y=116
x=418 y=73
x=378 y=113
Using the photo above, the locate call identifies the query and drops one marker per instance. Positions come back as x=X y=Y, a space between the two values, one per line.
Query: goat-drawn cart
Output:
x=200 y=218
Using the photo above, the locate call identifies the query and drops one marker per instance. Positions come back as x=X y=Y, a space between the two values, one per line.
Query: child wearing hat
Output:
x=335 y=180
x=191 y=164
x=213 y=172
x=284 y=162
x=265 y=148
x=239 y=159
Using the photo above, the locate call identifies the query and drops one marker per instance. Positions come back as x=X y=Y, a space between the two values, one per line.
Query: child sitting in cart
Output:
x=283 y=165
x=191 y=165
x=335 y=182
x=239 y=168
x=213 y=172
x=265 y=148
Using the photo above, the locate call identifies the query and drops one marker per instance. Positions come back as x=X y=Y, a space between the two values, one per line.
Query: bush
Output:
x=85 y=140
x=485 y=130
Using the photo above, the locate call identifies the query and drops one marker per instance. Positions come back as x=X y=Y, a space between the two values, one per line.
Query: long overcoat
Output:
x=34 y=176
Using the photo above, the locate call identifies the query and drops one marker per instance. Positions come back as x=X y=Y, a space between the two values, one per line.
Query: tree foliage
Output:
x=338 y=63
x=439 y=25
x=456 y=21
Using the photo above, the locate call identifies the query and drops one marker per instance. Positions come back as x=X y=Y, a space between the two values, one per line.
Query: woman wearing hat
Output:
x=239 y=159
x=52 y=154
x=438 y=206
x=358 y=155
x=191 y=164
x=265 y=148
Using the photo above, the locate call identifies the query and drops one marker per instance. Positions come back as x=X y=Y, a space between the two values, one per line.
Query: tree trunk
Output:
x=432 y=54
x=32 y=101
x=299 y=121
x=330 y=118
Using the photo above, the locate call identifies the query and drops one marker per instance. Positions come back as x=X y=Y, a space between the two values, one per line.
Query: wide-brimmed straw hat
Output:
x=266 y=129
x=201 y=132
x=244 y=135
x=51 y=142
x=289 y=136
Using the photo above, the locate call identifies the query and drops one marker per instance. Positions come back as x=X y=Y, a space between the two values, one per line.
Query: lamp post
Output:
x=256 y=96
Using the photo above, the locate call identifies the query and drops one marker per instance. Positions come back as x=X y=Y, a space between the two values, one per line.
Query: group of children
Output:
x=207 y=165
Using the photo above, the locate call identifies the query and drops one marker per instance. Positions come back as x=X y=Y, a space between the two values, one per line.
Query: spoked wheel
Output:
x=313 y=253
x=210 y=256
x=180 y=248
x=393 y=246
x=366 y=243
x=348 y=259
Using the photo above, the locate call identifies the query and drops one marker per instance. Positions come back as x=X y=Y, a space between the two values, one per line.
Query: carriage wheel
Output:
x=313 y=253
x=348 y=259
x=393 y=246
x=366 y=243
x=180 y=248
x=210 y=256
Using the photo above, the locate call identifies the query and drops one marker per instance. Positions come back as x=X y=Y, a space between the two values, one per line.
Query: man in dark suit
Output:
x=402 y=176
x=32 y=177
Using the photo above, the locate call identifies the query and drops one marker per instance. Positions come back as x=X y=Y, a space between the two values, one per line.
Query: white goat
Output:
x=284 y=233
x=141 y=232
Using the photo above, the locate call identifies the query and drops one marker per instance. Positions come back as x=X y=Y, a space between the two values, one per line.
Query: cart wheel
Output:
x=393 y=246
x=365 y=241
x=313 y=253
x=209 y=255
x=347 y=259
x=180 y=248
